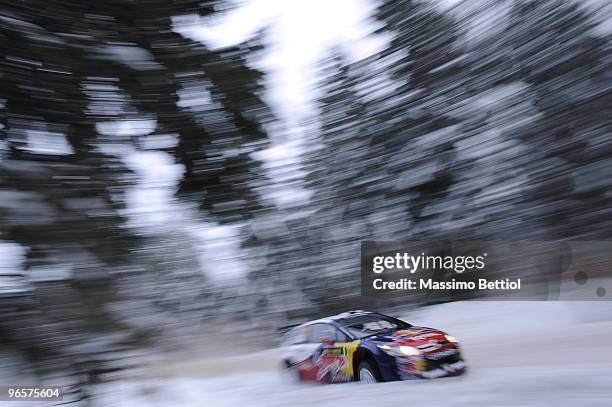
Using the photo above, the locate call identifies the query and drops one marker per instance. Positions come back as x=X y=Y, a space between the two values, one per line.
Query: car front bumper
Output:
x=428 y=367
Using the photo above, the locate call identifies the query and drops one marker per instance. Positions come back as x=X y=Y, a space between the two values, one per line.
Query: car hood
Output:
x=417 y=336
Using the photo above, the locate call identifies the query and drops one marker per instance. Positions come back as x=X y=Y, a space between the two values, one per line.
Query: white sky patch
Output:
x=126 y=128
x=151 y=202
x=301 y=32
x=48 y=142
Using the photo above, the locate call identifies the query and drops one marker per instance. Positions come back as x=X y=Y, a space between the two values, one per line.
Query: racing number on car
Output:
x=334 y=350
x=331 y=363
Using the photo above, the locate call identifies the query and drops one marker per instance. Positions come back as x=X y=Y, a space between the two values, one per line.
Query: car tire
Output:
x=367 y=373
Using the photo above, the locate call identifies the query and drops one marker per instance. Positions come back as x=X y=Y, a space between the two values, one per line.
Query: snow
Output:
x=130 y=55
x=516 y=386
x=12 y=255
x=518 y=353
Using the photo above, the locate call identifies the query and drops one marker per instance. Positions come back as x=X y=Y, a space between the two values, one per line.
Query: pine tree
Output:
x=567 y=66
x=66 y=68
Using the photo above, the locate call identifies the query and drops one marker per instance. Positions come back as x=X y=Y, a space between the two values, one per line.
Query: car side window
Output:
x=341 y=336
x=295 y=337
x=322 y=331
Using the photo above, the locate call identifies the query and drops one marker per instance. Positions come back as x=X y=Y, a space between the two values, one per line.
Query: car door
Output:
x=297 y=347
x=331 y=360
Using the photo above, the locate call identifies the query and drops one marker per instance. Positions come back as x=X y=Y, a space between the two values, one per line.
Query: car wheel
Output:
x=367 y=373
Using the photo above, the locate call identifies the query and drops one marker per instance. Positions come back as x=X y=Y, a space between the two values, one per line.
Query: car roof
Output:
x=334 y=318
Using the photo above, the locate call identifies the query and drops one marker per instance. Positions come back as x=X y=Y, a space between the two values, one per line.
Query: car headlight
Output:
x=451 y=339
x=409 y=350
x=400 y=350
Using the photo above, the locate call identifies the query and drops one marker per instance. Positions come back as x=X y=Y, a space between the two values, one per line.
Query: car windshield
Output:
x=361 y=326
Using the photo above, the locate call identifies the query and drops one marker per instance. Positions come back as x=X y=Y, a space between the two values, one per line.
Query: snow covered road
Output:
x=519 y=354
x=515 y=386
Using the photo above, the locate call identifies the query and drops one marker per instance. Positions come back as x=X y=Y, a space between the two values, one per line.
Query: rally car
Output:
x=368 y=347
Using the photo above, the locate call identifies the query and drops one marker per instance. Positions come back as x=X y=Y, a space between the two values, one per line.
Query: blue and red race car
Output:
x=368 y=347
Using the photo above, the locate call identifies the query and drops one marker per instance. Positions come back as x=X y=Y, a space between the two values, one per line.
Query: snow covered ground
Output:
x=519 y=354
x=504 y=386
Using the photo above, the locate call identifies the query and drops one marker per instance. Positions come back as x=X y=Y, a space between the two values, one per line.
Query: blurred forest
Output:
x=450 y=132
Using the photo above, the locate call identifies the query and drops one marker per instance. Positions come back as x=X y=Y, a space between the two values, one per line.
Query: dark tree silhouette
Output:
x=65 y=67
